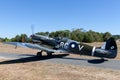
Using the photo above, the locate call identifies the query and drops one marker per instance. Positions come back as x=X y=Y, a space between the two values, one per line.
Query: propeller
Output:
x=26 y=38
x=32 y=35
x=32 y=29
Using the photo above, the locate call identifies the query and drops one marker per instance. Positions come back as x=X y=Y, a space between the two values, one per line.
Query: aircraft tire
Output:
x=49 y=54
x=39 y=54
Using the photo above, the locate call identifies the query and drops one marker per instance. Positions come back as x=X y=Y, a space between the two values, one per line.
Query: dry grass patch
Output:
x=52 y=71
x=11 y=49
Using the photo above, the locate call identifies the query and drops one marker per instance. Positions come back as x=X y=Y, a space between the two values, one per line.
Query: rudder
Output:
x=111 y=46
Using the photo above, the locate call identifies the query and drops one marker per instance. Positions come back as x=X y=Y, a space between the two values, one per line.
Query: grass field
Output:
x=51 y=71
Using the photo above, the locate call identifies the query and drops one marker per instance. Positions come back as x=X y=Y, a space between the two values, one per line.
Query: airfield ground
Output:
x=51 y=71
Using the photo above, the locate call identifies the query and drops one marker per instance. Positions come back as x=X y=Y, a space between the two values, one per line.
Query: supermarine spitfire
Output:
x=65 y=45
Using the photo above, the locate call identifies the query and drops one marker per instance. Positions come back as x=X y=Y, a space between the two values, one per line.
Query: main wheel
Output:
x=49 y=54
x=39 y=54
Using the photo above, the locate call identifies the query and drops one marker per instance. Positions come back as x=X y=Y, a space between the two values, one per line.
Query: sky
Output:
x=17 y=16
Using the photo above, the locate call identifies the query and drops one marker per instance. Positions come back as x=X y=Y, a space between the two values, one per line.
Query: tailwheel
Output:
x=39 y=54
x=103 y=59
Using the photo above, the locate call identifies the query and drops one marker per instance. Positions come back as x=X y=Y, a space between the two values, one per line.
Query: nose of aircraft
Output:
x=31 y=36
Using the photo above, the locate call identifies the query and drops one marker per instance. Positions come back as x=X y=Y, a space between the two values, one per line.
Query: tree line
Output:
x=77 y=34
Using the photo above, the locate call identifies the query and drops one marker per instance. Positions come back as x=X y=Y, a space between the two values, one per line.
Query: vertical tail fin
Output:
x=111 y=46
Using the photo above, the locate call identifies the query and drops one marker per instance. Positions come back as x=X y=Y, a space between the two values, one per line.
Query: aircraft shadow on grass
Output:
x=92 y=61
x=33 y=58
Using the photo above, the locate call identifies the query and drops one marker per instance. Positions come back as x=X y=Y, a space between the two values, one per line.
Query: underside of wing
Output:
x=30 y=45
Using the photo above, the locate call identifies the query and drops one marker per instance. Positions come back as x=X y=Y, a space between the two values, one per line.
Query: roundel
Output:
x=73 y=46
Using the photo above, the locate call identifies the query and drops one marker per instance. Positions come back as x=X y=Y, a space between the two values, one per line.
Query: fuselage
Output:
x=74 y=47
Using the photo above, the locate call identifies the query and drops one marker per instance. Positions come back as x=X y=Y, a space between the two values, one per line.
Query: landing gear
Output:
x=49 y=54
x=39 y=54
x=103 y=59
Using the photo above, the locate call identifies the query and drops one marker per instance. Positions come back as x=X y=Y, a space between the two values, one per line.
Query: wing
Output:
x=30 y=45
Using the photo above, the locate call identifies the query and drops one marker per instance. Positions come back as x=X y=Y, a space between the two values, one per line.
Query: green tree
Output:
x=16 y=38
x=20 y=38
x=23 y=38
x=43 y=33
x=77 y=34
x=116 y=37
x=6 y=40
x=1 y=39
